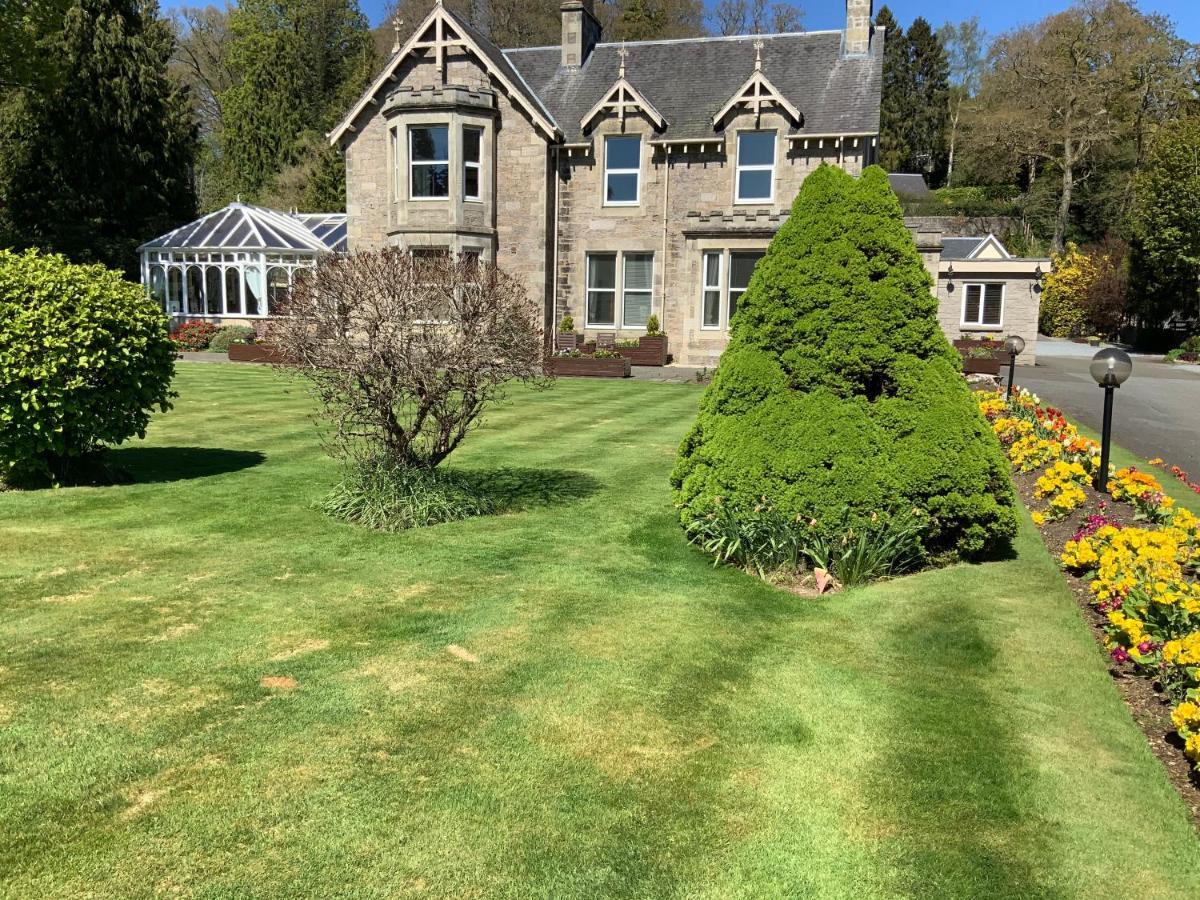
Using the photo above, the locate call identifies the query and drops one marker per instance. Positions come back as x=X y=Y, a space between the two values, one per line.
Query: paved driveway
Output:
x=1155 y=413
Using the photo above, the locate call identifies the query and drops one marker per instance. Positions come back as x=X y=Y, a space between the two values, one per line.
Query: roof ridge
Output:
x=702 y=39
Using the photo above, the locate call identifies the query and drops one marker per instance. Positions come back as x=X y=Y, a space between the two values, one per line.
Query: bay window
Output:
x=622 y=170
x=755 y=176
x=983 y=304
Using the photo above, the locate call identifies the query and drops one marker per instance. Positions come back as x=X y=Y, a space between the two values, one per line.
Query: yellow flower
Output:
x=1186 y=716
x=1039 y=519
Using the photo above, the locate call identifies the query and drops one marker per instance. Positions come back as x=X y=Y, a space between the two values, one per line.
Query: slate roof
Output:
x=688 y=81
x=909 y=187
x=242 y=226
x=960 y=247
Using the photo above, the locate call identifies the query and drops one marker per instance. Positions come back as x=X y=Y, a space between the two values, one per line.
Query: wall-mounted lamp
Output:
x=950 y=278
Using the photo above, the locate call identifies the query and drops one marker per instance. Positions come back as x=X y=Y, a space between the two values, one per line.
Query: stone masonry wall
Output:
x=698 y=181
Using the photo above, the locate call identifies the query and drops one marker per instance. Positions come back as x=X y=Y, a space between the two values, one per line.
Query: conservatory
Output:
x=238 y=262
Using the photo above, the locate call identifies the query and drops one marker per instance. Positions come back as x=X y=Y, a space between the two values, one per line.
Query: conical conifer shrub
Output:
x=838 y=397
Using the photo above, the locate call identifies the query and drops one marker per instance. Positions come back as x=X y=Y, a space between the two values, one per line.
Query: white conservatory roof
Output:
x=242 y=226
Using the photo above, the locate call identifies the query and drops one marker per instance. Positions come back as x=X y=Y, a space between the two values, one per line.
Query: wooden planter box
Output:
x=255 y=353
x=587 y=367
x=981 y=365
x=568 y=340
x=650 y=351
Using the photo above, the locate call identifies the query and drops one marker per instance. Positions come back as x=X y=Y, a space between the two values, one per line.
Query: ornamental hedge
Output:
x=84 y=360
x=839 y=398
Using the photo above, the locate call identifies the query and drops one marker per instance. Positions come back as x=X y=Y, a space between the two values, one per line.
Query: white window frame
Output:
x=611 y=171
x=723 y=287
x=624 y=255
x=588 y=290
x=979 y=323
x=757 y=167
x=705 y=288
x=412 y=163
x=477 y=165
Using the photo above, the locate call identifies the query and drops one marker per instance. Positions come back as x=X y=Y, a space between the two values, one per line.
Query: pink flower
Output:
x=1120 y=654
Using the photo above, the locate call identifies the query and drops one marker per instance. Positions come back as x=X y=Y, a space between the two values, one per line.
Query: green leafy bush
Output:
x=838 y=397
x=381 y=493
x=567 y=325
x=606 y=354
x=231 y=334
x=84 y=360
x=653 y=326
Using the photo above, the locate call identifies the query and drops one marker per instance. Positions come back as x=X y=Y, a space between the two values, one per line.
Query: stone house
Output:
x=620 y=180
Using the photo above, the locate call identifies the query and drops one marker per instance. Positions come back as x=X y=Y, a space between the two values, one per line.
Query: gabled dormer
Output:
x=756 y=93
x=621 y=100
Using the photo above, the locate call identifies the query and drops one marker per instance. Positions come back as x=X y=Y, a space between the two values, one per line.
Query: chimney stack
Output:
x=857 y=39
x=580 y=31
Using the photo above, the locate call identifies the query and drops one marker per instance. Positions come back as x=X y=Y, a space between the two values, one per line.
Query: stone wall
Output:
x=699 y=181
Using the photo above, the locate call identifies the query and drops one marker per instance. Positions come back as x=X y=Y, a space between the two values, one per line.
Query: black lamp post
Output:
x=1014 y=344
x=1110 y=368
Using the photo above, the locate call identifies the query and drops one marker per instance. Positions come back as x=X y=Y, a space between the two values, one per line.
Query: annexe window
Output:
x=429 y=162
x=724 y=275
x=233 y=291
x=710 y=305
x=602 y=290
x=755 y=167
x=983 y=304
x=195 y=291
x=472 y=150
x=212 y=289
x=741 y=267
x=622 y=170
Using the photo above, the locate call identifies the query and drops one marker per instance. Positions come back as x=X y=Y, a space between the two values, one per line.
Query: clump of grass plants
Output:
x=383 y=493
x=771 y=544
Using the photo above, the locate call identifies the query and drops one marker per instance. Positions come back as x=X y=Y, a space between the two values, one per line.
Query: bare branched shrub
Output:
x=405 y=352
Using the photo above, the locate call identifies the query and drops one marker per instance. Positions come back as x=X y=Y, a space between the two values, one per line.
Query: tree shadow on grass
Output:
x=147 y=465
x=512 y=489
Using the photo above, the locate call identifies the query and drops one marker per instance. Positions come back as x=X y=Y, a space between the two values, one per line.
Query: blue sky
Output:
x=996 y=17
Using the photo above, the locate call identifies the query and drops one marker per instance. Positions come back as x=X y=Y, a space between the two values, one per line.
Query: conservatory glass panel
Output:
x=174 y=290
x=277 y=287
x=233 y=292
x=212 y=290
x=158 y=285
x=252 y=280
x=195 y=290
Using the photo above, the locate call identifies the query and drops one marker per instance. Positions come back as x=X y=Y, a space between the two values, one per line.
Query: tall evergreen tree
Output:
x=298 y=65
x=95 y=157
x=930 y=72
x=896 y=107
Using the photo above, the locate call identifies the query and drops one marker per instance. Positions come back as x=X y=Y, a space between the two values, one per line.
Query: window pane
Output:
x=639 y=271
x=971 y=309
x=471 y=143
x=601 y=308
x=622 y=189
x=637 y=309
x=712 y=270
x=993 y=296
x=712 y=308
x=233 y=292
x=431 y=181
x=212 y=286
x=471 y=181
x=430 y=143
x=741 y=267
x=623 y=152
x=756 y=148
x=755 y=185
x=602 y=271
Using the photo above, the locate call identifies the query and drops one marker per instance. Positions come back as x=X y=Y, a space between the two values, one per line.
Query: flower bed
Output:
x=651 y=350
x=255 y=353
x=1134 y=560
x=980 y=357
x=614 y=366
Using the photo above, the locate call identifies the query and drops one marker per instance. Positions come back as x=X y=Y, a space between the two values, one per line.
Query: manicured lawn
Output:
x=616 y=717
